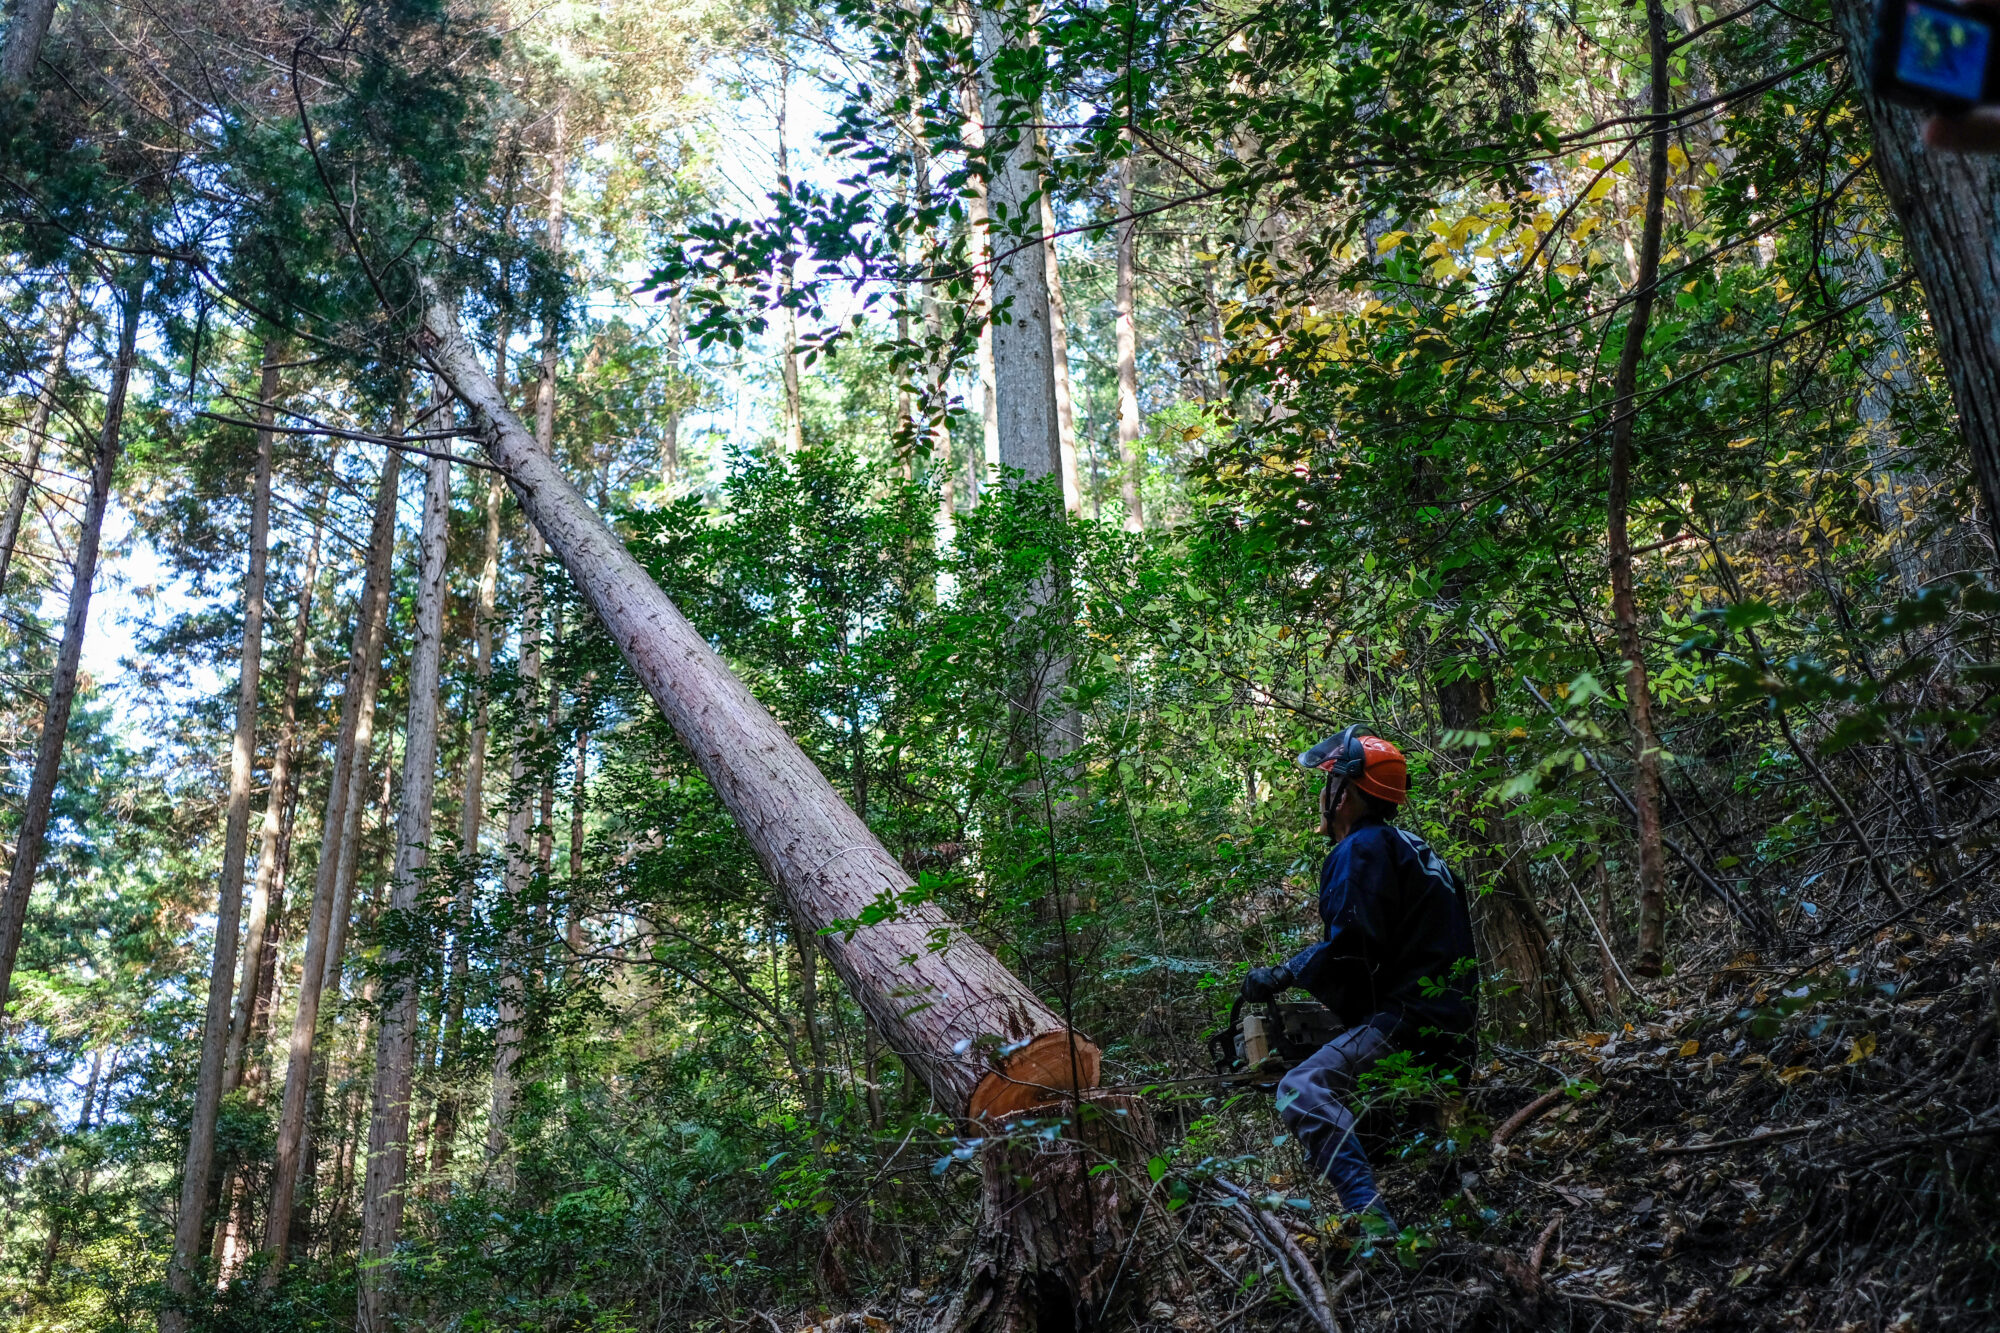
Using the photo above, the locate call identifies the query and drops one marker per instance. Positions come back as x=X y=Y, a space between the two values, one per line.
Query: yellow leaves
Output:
x=1690 y=1048
x=1677 y=158
x=1390 y=242
x=1599 y=190
x=1793 y=1073
x=1584 y=228
x=1543 y=221
x=1862 y=1047
x=1596 y=1039
x=1568 y=270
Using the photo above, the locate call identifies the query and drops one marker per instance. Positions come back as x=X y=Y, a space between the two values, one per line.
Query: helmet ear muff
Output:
x=1353 y=757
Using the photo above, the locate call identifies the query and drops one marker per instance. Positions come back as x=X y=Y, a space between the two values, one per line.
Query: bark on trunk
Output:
x=978 y=218
x=444 y=1127
x=33 y=437
x=1024 y=380
x=1519 y=993
x=257 y=934
x=191 y=1224
x=788 y=317
x=34 y=825
x=395 y=1043
x=1129 y=459
x=985 y=1043
x=342 y=794
x=25 y=36
x=518 y=871
x=1946 y=203
x=1059 y=358
x=1024 y=367
x=1624 y=604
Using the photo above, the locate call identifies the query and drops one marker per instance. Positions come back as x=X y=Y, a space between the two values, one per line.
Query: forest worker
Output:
x=1396 y=962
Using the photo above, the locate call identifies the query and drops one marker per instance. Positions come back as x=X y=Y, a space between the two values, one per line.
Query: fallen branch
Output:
x=1291 y=1262
x=1540 y=1250
x=1512 y=1124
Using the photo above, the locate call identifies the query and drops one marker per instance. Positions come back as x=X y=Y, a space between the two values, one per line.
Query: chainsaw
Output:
x=1263 y=1041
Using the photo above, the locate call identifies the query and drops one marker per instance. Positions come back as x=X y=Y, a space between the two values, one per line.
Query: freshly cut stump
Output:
x=1058 y=1250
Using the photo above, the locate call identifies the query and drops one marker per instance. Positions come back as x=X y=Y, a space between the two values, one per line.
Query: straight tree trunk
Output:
x=1129 y=461
x=1059 y=359
x=1026 y=410
x=362 y=666
x=35 y=808
x=1024 y=378
x=191 y=1223
x=940 y=428
x=978 y=219
x=788 y=316
x=986 y=1044
x=395 y=1043
x=256 y=936
x=34 y=436
x=809 y=1019
x=518 y=872
x=25 y=36
x=1947 y=204
x=670 y=427
x=472 y=815
x=1624 y=604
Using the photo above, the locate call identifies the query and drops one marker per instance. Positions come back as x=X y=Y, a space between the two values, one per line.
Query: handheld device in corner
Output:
x=1937 y=55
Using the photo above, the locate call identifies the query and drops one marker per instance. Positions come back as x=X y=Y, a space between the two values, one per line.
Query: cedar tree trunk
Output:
x=190 y=1224
x=395 y=1041
x=343 y=787
x=984 y=1042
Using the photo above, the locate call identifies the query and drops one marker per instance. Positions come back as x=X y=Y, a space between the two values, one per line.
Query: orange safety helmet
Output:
x=1366 y=760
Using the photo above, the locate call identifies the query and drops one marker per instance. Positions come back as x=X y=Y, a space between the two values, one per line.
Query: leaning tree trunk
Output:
x=190 y=1223
x=1947 y=204
x=982 y=1040
x=40 y=799
x=342 y=787
x=395 y=1044
x=34 y=437
x=986 y=1044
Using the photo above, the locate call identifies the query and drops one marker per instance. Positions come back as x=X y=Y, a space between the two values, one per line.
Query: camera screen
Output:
x=1943 y=52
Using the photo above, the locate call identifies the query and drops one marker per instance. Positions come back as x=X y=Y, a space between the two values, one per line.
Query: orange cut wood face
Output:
x=1052 y=1064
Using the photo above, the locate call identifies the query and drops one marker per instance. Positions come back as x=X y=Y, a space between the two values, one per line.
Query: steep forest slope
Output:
x=1055 y=418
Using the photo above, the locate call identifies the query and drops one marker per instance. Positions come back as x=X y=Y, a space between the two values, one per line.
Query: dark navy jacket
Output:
x=1397 y=929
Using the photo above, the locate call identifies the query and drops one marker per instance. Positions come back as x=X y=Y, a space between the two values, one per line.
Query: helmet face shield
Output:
x=1358 y=755
x=1339 y=754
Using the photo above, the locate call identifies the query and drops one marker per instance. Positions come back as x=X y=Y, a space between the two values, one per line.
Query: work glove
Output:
x=1267 y=983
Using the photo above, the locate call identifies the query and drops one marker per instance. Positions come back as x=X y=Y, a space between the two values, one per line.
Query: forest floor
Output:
x=1805 y=1145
